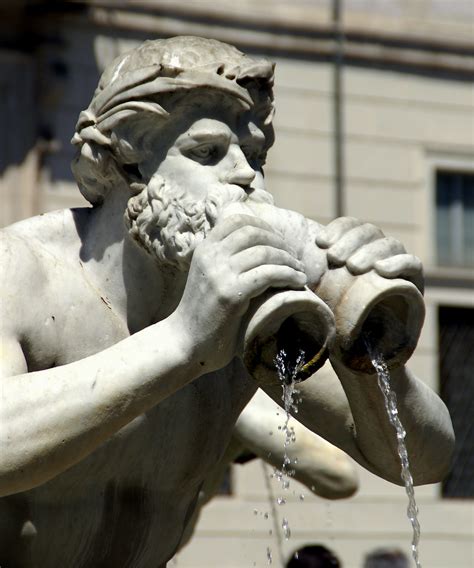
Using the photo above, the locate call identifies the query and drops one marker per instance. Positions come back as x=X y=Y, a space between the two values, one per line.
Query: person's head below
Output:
x=313 y=556
x=182 y=127
x=386 y=558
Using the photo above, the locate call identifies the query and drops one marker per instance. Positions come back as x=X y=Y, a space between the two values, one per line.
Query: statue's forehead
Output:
x=202 y=111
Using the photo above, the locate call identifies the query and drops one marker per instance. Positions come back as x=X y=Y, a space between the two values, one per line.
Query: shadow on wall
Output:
x=43 y=88
x=47 y=74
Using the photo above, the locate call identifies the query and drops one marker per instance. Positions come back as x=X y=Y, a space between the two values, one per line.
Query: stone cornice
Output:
x=383 y=50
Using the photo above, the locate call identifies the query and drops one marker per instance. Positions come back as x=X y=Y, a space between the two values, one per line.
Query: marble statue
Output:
x=122 y=367
x=324 y=469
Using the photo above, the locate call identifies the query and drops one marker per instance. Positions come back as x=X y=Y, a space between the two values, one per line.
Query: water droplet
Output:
x=286 y=529
x=302 y=497
x=269 y=555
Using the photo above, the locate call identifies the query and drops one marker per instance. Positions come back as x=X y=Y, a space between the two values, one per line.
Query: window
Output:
x=455 y=218
x=456 y=364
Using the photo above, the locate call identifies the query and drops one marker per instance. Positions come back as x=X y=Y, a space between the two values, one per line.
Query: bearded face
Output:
x=169 y=224
x=201 y=162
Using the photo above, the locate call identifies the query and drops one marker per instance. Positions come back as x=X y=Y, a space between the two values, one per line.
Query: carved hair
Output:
x=138 y=85
x=169 y=224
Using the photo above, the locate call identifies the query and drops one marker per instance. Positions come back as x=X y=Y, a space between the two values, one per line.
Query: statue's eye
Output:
x=204 y=152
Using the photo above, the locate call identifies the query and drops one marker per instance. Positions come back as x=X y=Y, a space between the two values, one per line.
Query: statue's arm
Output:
x=348 y=410
x=53 y=418
x=323 y=468
x=347 y=407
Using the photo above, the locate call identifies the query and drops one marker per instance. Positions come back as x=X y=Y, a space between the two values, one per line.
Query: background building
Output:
x=374 y=119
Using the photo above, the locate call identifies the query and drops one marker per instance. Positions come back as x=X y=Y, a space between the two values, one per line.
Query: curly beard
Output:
x=169 y=225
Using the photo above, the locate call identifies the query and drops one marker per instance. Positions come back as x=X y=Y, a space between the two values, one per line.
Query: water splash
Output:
x=390 y=399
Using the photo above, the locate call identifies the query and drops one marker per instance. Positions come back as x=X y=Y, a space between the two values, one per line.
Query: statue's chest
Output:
x=181 y=438
x=70 y=328
x=171 y=447
x=175 y=442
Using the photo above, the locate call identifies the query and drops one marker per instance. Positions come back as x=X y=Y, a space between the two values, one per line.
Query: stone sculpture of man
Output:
x=120 y=380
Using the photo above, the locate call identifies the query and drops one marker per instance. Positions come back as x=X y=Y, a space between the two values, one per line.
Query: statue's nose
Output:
x=242 y=172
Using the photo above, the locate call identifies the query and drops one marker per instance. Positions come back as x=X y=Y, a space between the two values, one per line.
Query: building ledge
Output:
x=449 y=277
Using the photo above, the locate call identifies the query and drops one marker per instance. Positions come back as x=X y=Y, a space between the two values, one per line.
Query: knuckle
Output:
x=395 y=244
x=264 y=254
x=372 y=229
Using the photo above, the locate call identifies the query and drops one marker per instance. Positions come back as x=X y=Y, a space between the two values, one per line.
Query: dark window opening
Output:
x=456 y=367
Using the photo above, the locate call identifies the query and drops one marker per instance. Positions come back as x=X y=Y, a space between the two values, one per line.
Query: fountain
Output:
x=391 y=310
x=129 y=345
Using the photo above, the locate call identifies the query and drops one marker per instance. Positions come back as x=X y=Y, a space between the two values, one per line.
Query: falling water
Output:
x=383 y=378
x=287 y=374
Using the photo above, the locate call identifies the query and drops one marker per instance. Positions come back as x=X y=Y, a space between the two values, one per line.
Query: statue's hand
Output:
x=362 y=247
x=240 y=259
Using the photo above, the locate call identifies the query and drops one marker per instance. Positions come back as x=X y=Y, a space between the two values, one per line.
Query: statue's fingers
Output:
x=330 y=234
x=364 y=259
x=352 y=241
x=262 y=254
x=259 y=279
x=406 y=266
x=248 y=236
x=228 y=225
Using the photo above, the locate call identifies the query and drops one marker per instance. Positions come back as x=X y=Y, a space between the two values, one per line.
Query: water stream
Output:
x=390 y=399
x=287 y=370
x=287 y=374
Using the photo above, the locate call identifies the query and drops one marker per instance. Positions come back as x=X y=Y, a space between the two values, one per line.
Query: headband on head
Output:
x=129 y=90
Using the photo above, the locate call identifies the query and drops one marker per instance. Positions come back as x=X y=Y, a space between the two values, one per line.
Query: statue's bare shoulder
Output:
x=24 y=275
x=28 y=244
x=41 y=275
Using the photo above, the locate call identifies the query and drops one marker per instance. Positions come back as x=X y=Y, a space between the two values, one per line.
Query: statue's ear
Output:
x=127 y=155
x=134 y=177
x=132 y=170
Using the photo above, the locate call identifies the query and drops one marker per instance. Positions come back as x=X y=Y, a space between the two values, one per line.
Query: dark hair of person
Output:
x=313 y=556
